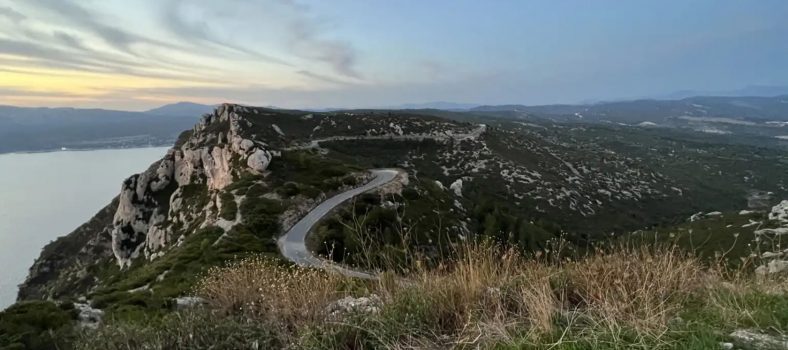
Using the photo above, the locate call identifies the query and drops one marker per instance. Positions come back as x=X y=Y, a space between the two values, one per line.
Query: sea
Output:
x=47 y=195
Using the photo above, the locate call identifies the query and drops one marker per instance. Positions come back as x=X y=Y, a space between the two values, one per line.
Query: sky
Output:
x=140 y=54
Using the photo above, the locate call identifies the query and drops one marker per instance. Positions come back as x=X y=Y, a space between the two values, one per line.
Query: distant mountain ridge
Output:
x=45 y=129
x=182 y=108
x=650 y=110
x=747 y=91
x=449 y=106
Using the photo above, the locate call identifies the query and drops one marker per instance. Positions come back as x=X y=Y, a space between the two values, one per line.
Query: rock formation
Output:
x=149 y=199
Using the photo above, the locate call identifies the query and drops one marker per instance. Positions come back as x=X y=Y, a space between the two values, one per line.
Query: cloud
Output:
x=80 y=17
x=13 y=92
x=41 y=53
x=11 y=14
x=198 y=31
x=44 y=55
x=69 y=40
x=321 y=77
x=269 y=23
x=305 y=41
x=209 y=47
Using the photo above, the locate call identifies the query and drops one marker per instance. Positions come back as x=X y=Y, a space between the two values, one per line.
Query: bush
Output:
x=262 y=288
x=261 y=215
x=36 y=325
x=197 y=329
x=229 y=206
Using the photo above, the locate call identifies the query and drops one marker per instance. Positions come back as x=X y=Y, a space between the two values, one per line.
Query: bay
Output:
x=47 y=195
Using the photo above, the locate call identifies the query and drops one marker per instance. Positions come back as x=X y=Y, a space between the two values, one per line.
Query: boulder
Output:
x=189 y=302
x=259 y=160
x=88 y=317
x=350 y=305
x=780 y=212
x=751 y=339
x=456 y=186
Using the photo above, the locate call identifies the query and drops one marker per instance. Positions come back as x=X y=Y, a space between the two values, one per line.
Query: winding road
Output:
x=292 y=244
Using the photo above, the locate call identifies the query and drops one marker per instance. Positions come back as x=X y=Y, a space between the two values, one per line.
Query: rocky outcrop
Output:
x=149 y=203
x=751 y=339
x=456 y=187
x=87 y=316
x=773 y=260
x=351 y=305
x=780 y=212
x=773 y=267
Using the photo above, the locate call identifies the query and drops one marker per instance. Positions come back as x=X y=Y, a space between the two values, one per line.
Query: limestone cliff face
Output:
x=151 y=203
x=151 y=209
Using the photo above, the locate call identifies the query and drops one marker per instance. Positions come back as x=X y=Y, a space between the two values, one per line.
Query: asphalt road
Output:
x=293 y=244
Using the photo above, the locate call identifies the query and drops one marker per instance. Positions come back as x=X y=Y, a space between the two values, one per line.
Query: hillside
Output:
x=762 y=118
x=243 y=176
x=519 y=183
x=739 y=108
x=46 y=129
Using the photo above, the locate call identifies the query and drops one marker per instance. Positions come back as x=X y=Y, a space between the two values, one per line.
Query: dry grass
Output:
x=263 y=288
x=486 y=291
x=491 y=295
x=639 y=288
x=486 y=296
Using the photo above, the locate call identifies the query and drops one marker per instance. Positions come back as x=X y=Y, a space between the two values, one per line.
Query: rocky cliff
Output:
x=149 y=214
x=151 y=203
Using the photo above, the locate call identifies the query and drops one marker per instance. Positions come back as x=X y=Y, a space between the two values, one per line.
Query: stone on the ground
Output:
x=189 y=302
x=773 y=267
x=456 y=187
x=347 y=305
x=88 y=317
x=750 y=339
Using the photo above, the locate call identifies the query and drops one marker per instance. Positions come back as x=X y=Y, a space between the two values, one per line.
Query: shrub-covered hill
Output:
x=243 y=175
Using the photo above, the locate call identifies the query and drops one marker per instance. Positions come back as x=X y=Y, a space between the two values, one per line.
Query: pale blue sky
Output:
x=290 y=53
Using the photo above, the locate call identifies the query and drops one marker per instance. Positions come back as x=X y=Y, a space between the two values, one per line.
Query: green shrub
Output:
x=189 y=330
x=36 y=325
x=229 y=207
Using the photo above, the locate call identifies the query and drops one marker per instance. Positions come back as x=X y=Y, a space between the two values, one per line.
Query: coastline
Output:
x=87 y=149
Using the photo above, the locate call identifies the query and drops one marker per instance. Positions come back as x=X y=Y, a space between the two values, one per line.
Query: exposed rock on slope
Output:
x=149 y=202
x=150 y=206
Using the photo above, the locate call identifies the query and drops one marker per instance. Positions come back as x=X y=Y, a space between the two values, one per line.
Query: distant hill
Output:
x=747 y=91
x=182 y=108
x=449 y=106
x=42 y=129
x=658 y=111
x=45 y=129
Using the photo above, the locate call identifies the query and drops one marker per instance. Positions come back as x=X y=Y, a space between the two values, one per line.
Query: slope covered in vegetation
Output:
x=497 y=234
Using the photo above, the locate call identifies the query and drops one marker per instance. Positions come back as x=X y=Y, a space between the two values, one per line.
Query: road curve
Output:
x=292 y=244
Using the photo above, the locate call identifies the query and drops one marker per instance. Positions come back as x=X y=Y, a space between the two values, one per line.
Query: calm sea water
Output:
x=46 y=195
